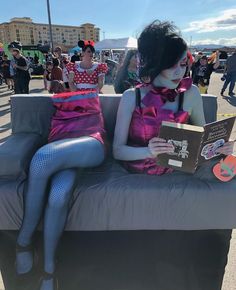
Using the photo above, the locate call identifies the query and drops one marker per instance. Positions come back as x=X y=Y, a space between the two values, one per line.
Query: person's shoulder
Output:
x=231 y=58
x=101 y=67
x=22 y=61
x=100 y=64
x=128 y=98
x=22 y=58
x=70 y=65
x=211 y=65
x=192 y=91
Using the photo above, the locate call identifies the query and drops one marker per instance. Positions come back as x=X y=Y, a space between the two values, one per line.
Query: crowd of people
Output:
x=156 y=86
x=122 y=69
x=199 y=68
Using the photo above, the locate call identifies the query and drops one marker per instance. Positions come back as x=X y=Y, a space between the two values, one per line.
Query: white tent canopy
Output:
x=119 y=43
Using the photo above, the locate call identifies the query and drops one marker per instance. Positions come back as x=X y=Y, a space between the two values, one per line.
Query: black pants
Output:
x=21 y=85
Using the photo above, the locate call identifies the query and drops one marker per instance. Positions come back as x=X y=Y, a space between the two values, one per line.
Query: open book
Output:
x=193 y=144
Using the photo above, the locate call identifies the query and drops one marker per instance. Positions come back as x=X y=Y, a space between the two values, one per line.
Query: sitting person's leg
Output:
x=55 y=218
x=51 y=158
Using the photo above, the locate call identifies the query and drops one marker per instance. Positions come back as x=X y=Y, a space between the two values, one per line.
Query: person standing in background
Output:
x=127 y=76
x=230 y=70
x=202 y=73
x=56 y=74
x=86 y=74
x=47 y=75
x=22 y=76
x=6 y=63
x=65 y=74
x=58 y=55
x=75 y=57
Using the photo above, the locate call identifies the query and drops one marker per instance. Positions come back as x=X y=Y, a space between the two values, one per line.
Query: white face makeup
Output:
x=171 y=77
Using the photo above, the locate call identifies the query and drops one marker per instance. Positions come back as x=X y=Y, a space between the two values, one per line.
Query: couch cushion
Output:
x=16 y=153
x=116 y=200
x=109 y=198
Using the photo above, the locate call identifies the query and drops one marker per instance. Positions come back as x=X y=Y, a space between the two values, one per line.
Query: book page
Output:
x=215 y=136
x=186 y=142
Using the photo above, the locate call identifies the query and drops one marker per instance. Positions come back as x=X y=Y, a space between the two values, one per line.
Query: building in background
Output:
x=27 y=32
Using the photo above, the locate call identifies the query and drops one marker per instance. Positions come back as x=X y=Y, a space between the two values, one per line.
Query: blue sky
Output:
x=205 y=21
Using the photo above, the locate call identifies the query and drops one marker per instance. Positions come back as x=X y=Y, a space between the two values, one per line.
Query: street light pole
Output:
x=50 y=26
x=190 y=43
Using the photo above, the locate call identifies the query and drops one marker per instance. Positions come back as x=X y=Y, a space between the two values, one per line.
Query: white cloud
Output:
x=225 y=22
x=220 y=41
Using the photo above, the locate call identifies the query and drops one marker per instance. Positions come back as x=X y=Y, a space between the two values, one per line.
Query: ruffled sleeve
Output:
x=102 y=69
x=70 y=67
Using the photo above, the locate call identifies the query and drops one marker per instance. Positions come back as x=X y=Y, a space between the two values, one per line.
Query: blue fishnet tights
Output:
x=53 y=165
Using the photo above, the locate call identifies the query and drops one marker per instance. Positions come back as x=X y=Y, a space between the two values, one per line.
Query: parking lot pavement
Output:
x=226 y=106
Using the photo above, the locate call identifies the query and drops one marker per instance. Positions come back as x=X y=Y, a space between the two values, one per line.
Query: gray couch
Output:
x=115 y=214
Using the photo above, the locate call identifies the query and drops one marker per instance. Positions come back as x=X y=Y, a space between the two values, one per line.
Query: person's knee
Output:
x=42 y=161
x=94 y=152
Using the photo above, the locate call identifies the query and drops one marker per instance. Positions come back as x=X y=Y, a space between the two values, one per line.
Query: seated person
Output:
x=76 y=140
x=164 y=95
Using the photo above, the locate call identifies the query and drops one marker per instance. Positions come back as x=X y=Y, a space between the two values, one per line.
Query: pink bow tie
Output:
x=166 y=94
x=170 y=94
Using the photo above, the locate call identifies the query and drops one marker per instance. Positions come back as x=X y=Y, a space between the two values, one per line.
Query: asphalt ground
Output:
x=226 y=107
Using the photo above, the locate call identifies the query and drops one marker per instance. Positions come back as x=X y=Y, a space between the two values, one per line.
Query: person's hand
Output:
x=14 y=65
x=227 y=148
x=158 y=146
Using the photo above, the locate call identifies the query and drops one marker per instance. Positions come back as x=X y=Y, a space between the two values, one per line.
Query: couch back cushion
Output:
x=33 y=113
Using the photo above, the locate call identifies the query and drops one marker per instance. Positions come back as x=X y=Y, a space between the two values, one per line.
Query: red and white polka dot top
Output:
x=87 y=78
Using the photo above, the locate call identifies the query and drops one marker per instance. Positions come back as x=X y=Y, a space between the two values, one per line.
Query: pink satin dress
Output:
x=145 y=124
x=77 y=114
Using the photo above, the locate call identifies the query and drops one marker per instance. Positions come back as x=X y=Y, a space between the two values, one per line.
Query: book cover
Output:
x=193 y=144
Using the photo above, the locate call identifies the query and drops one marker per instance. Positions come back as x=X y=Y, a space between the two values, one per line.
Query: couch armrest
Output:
x=16 y=153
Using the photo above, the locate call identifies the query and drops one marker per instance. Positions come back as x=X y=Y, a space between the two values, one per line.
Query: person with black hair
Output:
x=86 y=74
x=22 y=75
x=230 y=75
x=6 y=63
x=58 y=54
x=127 y=76
x=47 y=75
x=165 y=95
x=203 y=70
x=56 y=73
x=75 y=57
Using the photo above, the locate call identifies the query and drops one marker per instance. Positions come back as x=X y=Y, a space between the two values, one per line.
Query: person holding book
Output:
x=165 y=95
